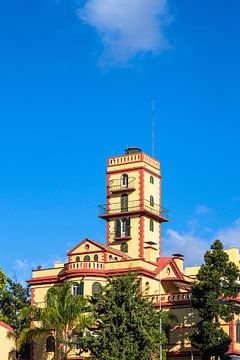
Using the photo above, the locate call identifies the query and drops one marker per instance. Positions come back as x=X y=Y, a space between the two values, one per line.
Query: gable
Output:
x=86 y=246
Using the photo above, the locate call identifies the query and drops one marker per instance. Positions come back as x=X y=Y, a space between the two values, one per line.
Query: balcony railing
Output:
x=121 y=233
x=118 y=184
x=132 y=206
x=78 y=265
x=166 y=298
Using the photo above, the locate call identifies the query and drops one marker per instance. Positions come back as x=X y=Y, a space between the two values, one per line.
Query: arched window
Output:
x=124 y=247
x=151 y=179
x=96 y=288
x=50 y=344
x=124 y=203
x=78 y=258
x=238 y=331
x=110 y=257
x=151 y=201
x=86 y=258
x=124 y=180
x=151 y=225
x=147 y=288
x=96 y=257
x=78 y=288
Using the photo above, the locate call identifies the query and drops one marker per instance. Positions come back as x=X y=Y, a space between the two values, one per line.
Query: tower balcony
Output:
x=135 y=207
x=119 y=185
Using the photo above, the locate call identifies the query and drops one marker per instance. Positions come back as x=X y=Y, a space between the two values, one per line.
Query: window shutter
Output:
x=128 y=227
x=117 y=228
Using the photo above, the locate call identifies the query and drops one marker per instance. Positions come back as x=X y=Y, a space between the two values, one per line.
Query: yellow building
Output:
x=7 y=344
x=134 y=215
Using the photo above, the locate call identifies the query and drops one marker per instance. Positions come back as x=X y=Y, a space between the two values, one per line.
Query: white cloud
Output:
x=188 y=244
x=204 y=210
x=127 y=27
x=21 y=264
x=230 y=236
x=193 y=246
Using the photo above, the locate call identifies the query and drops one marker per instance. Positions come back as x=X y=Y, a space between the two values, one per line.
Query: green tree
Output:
x=212 y=295
x=13 y=298
x=64 y=316
x=126 y=324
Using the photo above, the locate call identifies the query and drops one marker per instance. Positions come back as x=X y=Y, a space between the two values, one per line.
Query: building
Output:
x=134 y=216
x=6 y=340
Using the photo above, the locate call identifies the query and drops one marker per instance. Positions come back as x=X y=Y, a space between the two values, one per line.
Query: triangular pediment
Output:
x=86 y=245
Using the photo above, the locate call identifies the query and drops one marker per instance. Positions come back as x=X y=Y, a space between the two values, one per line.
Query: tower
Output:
x=133 y=212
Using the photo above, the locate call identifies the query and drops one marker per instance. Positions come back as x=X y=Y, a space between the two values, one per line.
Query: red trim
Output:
x=141 y=159
x=6 y=326
x=231 y=334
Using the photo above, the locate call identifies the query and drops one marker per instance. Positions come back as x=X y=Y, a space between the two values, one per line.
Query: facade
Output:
x=134 y=216
x=6 y=340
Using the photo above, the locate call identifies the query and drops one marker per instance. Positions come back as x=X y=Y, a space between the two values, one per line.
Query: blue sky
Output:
x=76 y=83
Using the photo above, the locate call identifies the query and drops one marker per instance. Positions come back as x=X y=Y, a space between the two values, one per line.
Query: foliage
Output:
x=213 y=296
x=13 y=298
x=63 y=316
x=126 y=324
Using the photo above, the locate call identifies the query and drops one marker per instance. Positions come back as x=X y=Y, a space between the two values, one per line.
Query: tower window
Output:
x=122 y=227
x=124 y=247
x=50 y=344
x=124 y=180
x=151 y=179
x=96 y=288
x=78 y=258
x=151 y=225
x=238 y=331
x=124 y=203
x=78 y=288
x=86 y=258
x=96 y=257
x=151 y=201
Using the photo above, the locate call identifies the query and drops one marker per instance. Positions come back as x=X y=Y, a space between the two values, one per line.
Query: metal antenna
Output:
x=153 y=116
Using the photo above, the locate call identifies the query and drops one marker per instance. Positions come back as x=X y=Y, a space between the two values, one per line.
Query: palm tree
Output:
x=64 y=317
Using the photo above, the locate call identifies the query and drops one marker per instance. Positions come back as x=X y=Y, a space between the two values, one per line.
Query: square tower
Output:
x=133 y=211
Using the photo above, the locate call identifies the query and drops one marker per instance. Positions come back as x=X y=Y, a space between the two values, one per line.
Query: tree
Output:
x=213 y=296
x=13 y=298
x=126 y=324
x=64 y=317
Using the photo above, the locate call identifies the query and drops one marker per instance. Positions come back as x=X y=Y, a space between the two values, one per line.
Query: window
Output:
x=151 y=179
x=124 y=203
x=147 y=288
x=86 y=258
x=50 y=344
x=96 y=288
x=122 y=227
x=238 y=331
x=96 y=257
x=78 y=289
x=78 y=258
x=151 y=225
x=151 y=201
x=124 y=180
x=124 y=247
x=110 y=257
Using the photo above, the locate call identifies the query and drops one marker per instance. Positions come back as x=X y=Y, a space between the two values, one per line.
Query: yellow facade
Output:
x=7 y=343
x=134 y=215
